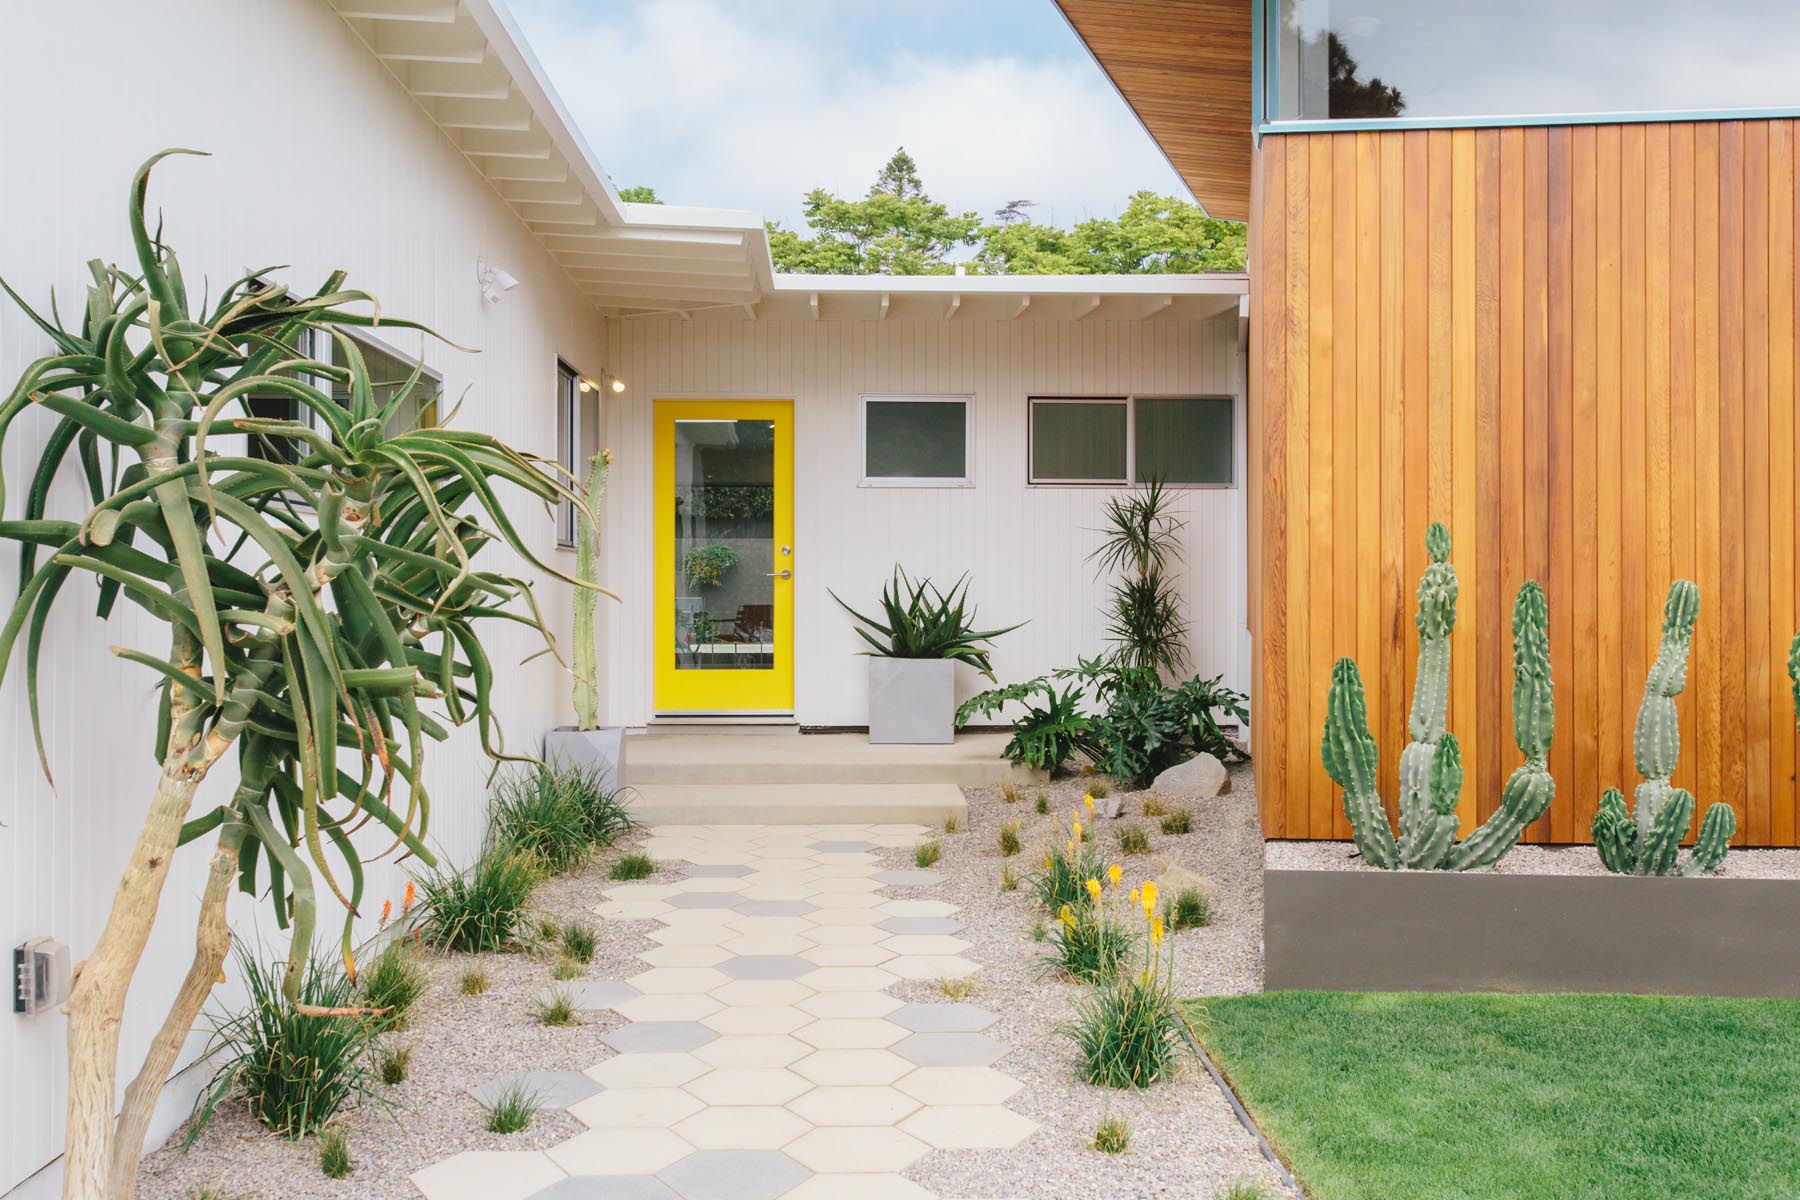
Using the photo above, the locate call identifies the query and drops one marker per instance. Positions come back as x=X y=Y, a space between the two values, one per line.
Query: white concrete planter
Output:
x=601 y=750
x=912 y=701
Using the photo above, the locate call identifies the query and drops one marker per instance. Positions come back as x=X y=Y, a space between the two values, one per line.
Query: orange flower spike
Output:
x=407 y=903
x=387 y=910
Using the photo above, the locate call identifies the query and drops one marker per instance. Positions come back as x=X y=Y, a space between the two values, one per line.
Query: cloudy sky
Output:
x=749 y=103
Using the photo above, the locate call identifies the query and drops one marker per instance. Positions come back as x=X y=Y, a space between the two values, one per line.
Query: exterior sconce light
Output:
x=494 y=282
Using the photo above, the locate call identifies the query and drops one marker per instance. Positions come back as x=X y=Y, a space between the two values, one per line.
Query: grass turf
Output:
x=1479 y=1097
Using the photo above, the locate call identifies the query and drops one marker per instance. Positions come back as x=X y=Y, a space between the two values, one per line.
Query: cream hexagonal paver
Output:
x=758 y=1019
x=758 y=993
x=855 y=1105
x=850 y=1033
x=753 y=1050
x=636 y=1108
x=667 y=1008
x=619 y=1152
x=847 y=979
x=926 y=966
x=487 y=1175
x=668 y=981
x=959 y=1085
x=845 y=956
x=846 y=935
x=852 y=1067
x=743 y=1127
x=647 y=1070
x=848 y=1148
x=845 y=1005
x=969 y=1126
x=685 y=956
x=925 y=943
x=765 y=1085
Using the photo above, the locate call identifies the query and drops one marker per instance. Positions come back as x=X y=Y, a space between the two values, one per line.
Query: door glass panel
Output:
x=724 y=545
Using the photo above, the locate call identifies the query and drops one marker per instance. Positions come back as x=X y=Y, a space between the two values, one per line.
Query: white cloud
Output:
x=713 y=108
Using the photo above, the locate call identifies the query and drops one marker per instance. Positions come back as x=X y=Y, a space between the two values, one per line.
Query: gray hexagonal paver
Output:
x=658 y=1037
x=949 y=1049
x=842 y=847
x=906 y=877
x=606 y=1187
x=921 y=925
x=765 y=966
x=703 y=900
x=588 y=995
x=734 y=1175
x=776 y=908
x=551 y=1089
x=717 y=870
x=942 y=1018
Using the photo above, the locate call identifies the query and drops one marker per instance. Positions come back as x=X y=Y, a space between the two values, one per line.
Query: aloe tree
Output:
x=315 y=610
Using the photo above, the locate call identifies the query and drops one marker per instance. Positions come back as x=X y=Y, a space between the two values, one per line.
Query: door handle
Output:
x=784 y=573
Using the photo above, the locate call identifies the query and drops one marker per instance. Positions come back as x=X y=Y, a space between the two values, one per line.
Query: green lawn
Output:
x=1395 y=1097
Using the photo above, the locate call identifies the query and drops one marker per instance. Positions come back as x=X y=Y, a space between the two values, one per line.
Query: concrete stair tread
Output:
x=973 y=760
x=794 y=803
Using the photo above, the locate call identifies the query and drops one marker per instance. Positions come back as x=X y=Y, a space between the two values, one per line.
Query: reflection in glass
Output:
x=1362 y=59
x=724 y=545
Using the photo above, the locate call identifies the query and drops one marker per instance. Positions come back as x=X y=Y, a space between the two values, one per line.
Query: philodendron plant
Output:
x=1647 y=840
x=314 y=608
x=1431 y=771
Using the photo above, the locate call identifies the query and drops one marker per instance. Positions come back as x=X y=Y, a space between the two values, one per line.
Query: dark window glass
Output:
x=915 y=439
x=1183 y=440
x=1361 y=59
x=1079 y=441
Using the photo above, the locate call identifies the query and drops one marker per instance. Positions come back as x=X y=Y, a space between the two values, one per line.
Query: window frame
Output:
x=567 y=434
x=320 y=345
x=1129 y=402
x=864 y=479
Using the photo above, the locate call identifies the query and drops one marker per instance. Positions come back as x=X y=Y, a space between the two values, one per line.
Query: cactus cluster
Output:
x=1431 y=771
x=1647 y=841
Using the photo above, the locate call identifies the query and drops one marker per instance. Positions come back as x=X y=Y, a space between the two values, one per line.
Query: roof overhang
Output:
x=1184 y=67
x=468 y=67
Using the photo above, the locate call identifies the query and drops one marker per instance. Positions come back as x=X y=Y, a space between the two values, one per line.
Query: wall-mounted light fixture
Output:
x=494 y=282
x=613 y=382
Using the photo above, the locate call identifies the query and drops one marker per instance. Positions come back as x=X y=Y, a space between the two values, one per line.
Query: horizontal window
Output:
x=1183 y=440
x=388 y=373
x=915 y=440
x=1376 y=59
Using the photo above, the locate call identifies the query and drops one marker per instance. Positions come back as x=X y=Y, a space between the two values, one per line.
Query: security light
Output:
x=494 y=282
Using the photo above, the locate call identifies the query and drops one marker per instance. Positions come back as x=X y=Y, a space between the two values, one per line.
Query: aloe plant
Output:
x=924 y=622
x=315 y=610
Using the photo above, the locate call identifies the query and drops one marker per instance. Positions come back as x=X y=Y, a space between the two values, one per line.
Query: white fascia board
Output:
x=1217 y=284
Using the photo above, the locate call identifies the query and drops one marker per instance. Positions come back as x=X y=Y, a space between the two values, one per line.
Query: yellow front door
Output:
x=724 y=556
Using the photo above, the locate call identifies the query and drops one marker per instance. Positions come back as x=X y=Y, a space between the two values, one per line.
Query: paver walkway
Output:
x=764 y=1055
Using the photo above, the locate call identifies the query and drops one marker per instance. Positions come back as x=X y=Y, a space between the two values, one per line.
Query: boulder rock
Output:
x=1112 y=806
x=1196 y=779
x=1172 y=879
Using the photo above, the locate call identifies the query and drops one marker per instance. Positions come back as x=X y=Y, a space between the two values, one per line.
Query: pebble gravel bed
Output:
x=458 y=1042
x=1530 y=860
x=1185 y=1140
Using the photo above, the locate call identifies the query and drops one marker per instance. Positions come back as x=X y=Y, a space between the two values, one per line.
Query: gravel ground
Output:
x=458 y=1042
x=1185 y=1140
x=1532 y=860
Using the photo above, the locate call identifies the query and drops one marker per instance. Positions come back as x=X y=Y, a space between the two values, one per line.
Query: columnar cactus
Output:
x=1648 y=840
x=586 y=666
x=1431 y=771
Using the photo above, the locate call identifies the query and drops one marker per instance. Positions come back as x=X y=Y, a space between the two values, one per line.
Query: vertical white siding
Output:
x=320 y=161
x=1025 y=547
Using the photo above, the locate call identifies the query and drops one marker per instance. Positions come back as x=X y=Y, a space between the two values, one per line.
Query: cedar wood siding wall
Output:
x=1575 y=346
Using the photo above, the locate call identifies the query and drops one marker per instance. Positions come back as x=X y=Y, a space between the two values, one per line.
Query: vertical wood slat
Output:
x=1579 y=348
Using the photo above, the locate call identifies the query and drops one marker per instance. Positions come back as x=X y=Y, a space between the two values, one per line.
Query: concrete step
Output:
x=973 y=760
x=795 y=803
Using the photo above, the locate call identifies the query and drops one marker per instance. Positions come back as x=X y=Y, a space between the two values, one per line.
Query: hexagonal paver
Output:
x=857 y=1148
x=843 y=847
x=693 y=935
x=918 y=908
x=762 y=992
x=658 y=1037
x=969 y=1126
x=753 y=1050
x=922 y=925
x=485 y=1174
x=850 y=1033
x=607 y=1187
x=615 y=1152
x=846 y=979
x=848 y=1068
x=758 y=1019
x=950 y=1049
x=551 y=1089
x=734 y=1175
x=717 y=870
x=635 y=1108
x=764 y=1085
x=703 y=900
x=884 y=1186
x=668 y=1008
x=920 y=944
x=856 y=1105
x=765 y=966
x=847 y=935
x=677 y=980
x=931 y=966
x=943 y=1018
x=775 y=908
x=908 y=877
x=684 y=956
x=747 y=1127
x=590 y=995
x=959 y=1085
x=849 y=1004
x=646 y=1070
x=846 y=956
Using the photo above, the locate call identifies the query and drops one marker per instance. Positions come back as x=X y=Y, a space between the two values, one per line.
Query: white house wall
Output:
x=319 y=161
x=1025 y=547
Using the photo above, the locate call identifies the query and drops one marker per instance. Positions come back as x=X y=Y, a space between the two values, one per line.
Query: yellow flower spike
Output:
x=1067 y=916
x=1156 y=931
x=1114 y=873
x=1134 y=895
x=1088 y=800
x=1093 y=887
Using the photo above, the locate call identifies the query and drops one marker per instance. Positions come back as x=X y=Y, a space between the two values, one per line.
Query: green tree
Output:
x=641 y=194
x=897 y=229
x=1154 y=235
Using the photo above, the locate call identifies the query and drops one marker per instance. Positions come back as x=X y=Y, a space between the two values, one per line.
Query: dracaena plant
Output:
x=319 y=612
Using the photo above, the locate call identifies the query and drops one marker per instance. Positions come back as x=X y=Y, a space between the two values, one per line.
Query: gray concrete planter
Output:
x=912 y=701
x=601 y=750
x=1444 y=931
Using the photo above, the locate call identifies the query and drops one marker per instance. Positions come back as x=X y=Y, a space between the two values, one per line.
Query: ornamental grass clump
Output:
x=1008 y=838
x=334 y=1156
x=1092 y=941
x=1128 y=1031
x=1178 y=822
x=578 y=940
x=482 y=910
x=474 y=982
x=1134 y=840
x=513 y=1110
x=555 y=1009
x=294 y=1070
x=1062 y=880
x=1112 y=1135
x=394 y=1065
x=393 y=982
x=1189 y=909
x=544 y=810
x=633 y=866
x=927 y=854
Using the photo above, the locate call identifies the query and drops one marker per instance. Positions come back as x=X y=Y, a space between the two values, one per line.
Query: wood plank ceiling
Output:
x=1184 y=67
